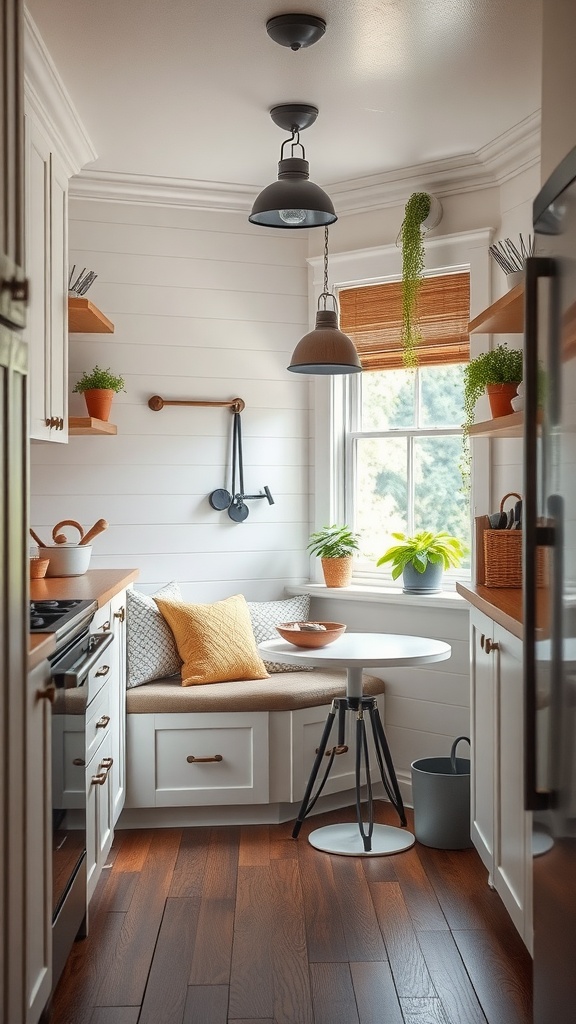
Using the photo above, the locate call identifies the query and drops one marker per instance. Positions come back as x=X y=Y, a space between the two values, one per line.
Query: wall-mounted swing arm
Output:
x=156 y=403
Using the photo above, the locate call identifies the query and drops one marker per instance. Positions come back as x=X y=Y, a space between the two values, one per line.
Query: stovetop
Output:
x=58 y=616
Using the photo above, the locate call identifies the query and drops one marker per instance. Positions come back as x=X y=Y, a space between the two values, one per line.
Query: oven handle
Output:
x=99 y=644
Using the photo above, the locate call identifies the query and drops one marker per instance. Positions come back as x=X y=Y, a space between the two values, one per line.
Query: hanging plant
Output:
x=411 y=237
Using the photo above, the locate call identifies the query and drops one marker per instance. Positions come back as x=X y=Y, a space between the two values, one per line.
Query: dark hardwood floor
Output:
x=243 y=924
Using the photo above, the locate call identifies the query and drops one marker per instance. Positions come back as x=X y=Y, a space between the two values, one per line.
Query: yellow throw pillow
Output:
x=215 y=641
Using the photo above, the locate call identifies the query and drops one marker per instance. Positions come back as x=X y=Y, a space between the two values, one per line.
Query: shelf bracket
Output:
x=235 y=404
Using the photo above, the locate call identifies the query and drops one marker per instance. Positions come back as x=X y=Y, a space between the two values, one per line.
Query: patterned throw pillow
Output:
x=215 y=641
x=266 y=615
x=150 y=645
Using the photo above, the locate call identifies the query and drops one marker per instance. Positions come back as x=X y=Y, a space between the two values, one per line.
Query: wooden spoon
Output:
x=98 y=527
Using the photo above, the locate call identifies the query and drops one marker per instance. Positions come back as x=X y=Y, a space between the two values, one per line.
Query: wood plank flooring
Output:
x=235 y=925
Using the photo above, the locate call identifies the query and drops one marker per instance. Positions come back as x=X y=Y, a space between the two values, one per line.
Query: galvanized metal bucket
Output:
x=441 y=798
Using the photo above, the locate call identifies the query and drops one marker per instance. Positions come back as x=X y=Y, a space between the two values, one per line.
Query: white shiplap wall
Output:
x=205 y=306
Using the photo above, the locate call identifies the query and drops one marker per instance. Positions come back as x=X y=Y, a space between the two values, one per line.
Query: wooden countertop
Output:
x=95 y=585
x=504 y=606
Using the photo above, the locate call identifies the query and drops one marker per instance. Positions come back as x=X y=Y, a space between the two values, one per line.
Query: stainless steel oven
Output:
x=77 y=670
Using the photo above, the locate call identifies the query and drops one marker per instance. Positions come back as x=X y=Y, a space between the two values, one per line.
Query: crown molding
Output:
x=118 y=187
x=509 y=154
x=47 y=96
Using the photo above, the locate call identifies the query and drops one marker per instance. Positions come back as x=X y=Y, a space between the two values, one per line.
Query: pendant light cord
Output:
x=326 y=294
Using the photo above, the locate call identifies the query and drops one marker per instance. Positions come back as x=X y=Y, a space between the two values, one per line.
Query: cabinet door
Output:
x=38 y=845
x=37 y=205
x=46 y=266
x=483 y=736
x=512 y=849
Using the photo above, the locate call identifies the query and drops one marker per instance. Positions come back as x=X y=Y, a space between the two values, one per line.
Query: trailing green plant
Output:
x=421 y=548
x=333 y=542
x=99 y=379
x=411 y=235
x=502 y=365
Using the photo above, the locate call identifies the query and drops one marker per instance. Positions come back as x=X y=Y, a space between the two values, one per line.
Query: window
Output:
x=403 y=443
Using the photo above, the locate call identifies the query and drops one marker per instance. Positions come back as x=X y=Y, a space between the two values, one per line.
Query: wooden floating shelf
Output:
x=85 y=318
x=503 y=426
x=78 y=425
x=505 y=316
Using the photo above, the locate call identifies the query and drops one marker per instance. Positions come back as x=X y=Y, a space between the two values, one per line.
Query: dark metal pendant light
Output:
x=293 y=201
x=325 y=350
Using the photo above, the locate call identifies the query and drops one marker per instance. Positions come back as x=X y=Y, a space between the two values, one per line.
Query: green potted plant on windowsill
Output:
x=335 y=546
x=422 y=558
x=99 y=387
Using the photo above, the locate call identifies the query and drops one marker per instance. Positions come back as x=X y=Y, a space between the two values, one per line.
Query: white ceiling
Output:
x=182 y=88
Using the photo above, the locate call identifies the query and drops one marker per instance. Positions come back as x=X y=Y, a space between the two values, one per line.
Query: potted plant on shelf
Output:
x=498 y=372
x=422 y=212
x=422 y=558
x=99 y=387
x=335 y=546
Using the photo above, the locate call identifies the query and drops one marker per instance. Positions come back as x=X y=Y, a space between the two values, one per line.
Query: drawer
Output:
x=164 y=774
x=98 y=721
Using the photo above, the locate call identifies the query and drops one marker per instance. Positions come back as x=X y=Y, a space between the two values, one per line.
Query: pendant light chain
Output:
x=325 y=292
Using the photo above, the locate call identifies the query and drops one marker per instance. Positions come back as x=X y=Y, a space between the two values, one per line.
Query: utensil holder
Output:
x=499 y=555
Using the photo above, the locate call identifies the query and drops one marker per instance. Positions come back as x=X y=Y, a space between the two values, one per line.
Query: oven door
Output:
x=69 y=797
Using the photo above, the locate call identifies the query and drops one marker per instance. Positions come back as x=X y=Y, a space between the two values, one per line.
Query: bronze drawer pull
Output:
x=103 y=722
x=106 y=763
x=99 y=779
x=203 y=760
x=105 y=627
x=491 y=645
x=342 y=749
x=48 y=694
x=103 y=671
x=120 y=614
x=79 y=762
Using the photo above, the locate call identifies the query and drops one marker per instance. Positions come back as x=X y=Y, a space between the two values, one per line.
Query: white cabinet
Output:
x=46 y=213
x=501 y=828
x=38 y=843
x=99 y=809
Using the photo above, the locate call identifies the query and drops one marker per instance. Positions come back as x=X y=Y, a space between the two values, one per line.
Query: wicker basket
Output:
x=502 y=563
x=38 y=568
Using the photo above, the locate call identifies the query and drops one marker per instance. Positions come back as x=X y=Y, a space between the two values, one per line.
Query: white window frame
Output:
x=331 y=396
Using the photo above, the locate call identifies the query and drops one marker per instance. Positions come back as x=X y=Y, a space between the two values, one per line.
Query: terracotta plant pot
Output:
x=337 y=571
x=500 y=397
x=99 y=402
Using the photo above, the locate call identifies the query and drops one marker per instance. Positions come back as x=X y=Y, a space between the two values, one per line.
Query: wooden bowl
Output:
x=38 y=568
x=311 y=638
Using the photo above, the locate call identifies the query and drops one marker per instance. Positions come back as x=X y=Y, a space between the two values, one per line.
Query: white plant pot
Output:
x=435 y=214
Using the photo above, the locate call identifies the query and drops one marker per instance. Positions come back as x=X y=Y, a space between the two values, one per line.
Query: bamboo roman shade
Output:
x=372 y=316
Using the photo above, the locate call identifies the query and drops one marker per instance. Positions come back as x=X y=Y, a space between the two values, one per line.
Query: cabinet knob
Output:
x=103 y=671
x=103 y=722
x=120 y=614
x=49 y=693
x=106 y=763
x=491 y=645
x=99 y=779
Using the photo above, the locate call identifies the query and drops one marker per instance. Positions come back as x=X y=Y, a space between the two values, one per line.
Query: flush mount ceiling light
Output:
x=325 y=350
x=293 y=201
x=296 y=30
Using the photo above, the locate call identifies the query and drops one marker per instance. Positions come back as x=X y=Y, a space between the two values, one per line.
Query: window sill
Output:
x=381 y=595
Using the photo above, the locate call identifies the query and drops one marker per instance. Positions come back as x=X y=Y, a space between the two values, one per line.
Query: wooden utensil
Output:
x=98 y=527
x=60 y=538
x=36 y=538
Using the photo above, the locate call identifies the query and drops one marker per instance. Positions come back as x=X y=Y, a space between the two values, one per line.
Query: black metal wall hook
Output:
x=234 y=501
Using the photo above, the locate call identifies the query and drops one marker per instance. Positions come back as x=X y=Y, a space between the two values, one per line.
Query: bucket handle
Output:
x=453 y=768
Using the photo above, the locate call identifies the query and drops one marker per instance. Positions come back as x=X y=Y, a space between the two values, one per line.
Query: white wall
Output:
x=205 y=306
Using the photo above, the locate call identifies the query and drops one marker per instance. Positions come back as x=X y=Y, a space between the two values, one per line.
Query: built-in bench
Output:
x=232 y=751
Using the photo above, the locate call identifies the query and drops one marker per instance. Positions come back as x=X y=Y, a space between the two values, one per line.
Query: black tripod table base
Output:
x=346 y=840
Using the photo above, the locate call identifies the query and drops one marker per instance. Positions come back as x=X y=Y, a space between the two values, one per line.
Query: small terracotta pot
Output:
x=99 y=402
x=337 y=571
x=500 y=397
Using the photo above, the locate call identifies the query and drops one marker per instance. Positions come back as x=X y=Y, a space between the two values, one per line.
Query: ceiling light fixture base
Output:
x=294 y=117
x=296 y=30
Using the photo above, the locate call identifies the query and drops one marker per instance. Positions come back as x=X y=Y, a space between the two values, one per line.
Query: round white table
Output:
x=356 y=652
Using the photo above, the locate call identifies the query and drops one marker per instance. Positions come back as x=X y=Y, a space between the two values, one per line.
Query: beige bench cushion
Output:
x=286 y=691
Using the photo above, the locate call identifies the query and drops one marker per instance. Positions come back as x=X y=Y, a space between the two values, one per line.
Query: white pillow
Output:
x=150 y=645
x=266 y=615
